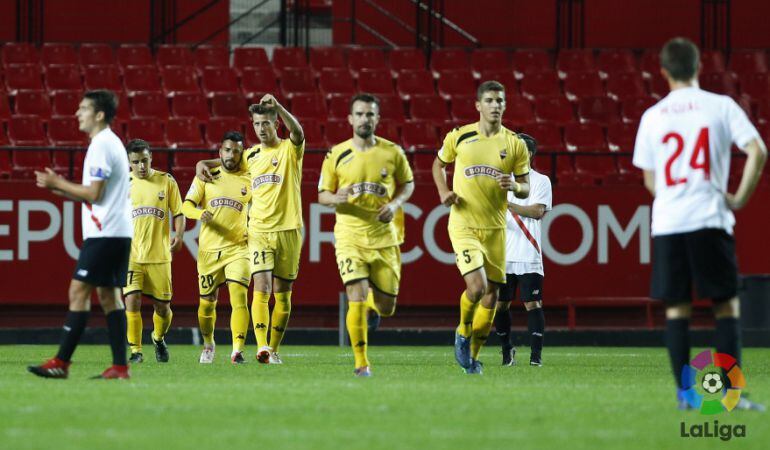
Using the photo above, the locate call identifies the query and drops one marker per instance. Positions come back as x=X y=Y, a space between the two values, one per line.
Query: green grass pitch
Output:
x=583 y=397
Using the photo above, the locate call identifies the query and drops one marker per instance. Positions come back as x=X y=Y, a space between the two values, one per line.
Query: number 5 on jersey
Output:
x=701 y=146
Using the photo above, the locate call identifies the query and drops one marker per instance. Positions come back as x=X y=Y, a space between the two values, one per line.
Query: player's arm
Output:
x=60 y=186
x=202 y=169
x=446 y=195
x=334 y=199
x=179 y=225
x=296 y=134
x=175 y=205
x=192 y=212
x=535 y=211
x=518 y=185
x=649 y=181
x=400 y=196
x=756 y=156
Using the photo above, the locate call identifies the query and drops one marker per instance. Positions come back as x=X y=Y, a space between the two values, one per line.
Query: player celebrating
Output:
x=275 y=220
x=223 y=255
x=485 y=154
x=524 y=262
x=153 y=194
x=107 y=231
x=366 y=179
x=683 y=147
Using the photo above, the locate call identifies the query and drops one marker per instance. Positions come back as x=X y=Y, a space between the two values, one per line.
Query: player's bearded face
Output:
x=230 y=154
x=491 y=106
x=364 y=118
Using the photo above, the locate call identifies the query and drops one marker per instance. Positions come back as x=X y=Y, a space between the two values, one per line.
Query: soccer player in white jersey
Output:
x=524 y=262
x=683 y=147
x=107 y=232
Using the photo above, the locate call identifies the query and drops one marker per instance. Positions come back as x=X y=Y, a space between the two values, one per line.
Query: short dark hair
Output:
x=104 y=101
x=137 y=145
x=489 y=85
x=680 y=57
x=259 y=108
x=233 y=136
x=530 y=141
x=366 y=98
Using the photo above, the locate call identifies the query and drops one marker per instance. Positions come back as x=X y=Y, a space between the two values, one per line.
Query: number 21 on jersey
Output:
x=698 y=161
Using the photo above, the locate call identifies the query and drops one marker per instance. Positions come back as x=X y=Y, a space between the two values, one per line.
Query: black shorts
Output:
x=103 y=262
x=530 y=287
x=705 y=258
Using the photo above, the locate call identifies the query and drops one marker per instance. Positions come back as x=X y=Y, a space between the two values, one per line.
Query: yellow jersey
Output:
x=151 y=200
x=276 y=179
x=477 y=160
x=226 y=198
x=373 y=174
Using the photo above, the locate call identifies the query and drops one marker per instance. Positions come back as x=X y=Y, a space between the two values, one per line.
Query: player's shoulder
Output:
x=537 y=177
x=252 y=151
x=340 y=150
x=458 y=134
x=389 y=146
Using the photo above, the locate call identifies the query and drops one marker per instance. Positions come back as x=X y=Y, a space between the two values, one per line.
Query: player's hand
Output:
x=48 y=179
x=176 y=244
x=207 y=217
x=341 y=196
x=449 y=198
x=202 y=171
x=505 y=181
x=386 y=213
x=269 y=100
x=733 y=203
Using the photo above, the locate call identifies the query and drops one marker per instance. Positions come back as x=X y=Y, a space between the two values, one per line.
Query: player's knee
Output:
x=386 y=308
x=678 y=311
x=109 y=299
x=475 y=291
x=207 y=306
x=529 y=306
x=161 y=308
x=725 y=308
x=134 y=302
x=502 y=306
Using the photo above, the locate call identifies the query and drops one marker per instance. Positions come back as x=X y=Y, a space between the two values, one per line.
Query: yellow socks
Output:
x=280 y=318
x=260 y=316
x=161 y=324
x=134 y=333
x=207 y=316
x=356 y=323
x=467 y=318
x=239 y=319
x=482 y=323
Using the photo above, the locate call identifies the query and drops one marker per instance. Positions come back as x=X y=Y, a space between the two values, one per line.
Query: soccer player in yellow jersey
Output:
x=484 y=154
x=223 y=255
x=153 y=194
x=366 y=179
x=275 y=220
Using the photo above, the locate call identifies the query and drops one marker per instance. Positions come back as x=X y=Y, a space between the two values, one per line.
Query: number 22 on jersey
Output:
x=701 y=147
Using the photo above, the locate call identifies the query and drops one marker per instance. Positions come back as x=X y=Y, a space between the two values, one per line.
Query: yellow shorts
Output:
x=217 y=267
x=381 y=266
x=151 y=279
x=479 y=247
x=276 y=251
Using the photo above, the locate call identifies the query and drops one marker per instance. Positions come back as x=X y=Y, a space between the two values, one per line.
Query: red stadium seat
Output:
x=218 y=126
x=621 y=136
x=337 y=131
x=616 y=61
x=63 y=159
x=19 y=53
x=598 y=167
x=141 y=78
x=5 y=109
x=530 y=61
x=505 y=77
x=554 y=110
x=490 y=59
x=64 y=132
x=456 y=83
x=414 y=82
x=658 y=86
x=35 y=103
x=250 y=57
x=375 y=82
x=518 y=111
x=309 y=106
x=548 y=137
x=63 y=78
x=407 y=58
x=296 y=81
x=327 y=58
x=22 y=77
x=124 y=107
x=463 y=110
x=151 y=130
x=219 y=80
x=190 y=105
x=584 y=137
x=257 y=82
x=178 y=80
x=96 y=55
x=187 y=160
x=173 y=55
x=184 y=132
x=150 y=104
x=763 y=111
x=540 y=84
x=623 y=85
x=284 y=57
x=446 y=59
x=26 y=162
x=6 y=167
x=336 y=81
x=419 y=136
x=748 y=61
x=103 y=77
x=712 y=61
x=719 y=82
x=429 y=108
x=626 y=166
x=134 y=55
x=756 y=85
x=213 y=56
x=633 y=108
x=26 y=131
x=367 y=58
x=229 y=105
x=599 y=110
x=574 y=60
x=391 y=108
x=57 y=53
x=579 y=85
x=339 y=107
x=650 y=63
x=388 y=129
x=314 y=136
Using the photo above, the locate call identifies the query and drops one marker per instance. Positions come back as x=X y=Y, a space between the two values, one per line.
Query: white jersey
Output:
x=522 y=255
x=106 y=160
x=685 y=139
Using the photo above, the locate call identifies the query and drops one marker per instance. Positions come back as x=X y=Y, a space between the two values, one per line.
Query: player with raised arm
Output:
x=485 y=154
x=683 y=147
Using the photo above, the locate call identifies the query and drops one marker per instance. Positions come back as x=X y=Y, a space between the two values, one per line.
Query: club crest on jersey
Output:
x=268 y=178
x=148 y=211
x=161 y=195
x=503 y=154
x=274 y=161
x=481 y=170
x=226 y=203
x=384 y=173
x=244 y=190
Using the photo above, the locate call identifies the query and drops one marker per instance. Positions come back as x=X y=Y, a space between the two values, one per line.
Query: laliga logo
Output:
x=705 y=384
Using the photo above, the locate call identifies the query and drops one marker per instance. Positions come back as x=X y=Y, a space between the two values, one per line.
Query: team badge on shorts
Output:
x=384 y=173
x=161 y=195
x=503 y=154
x=275 y=161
